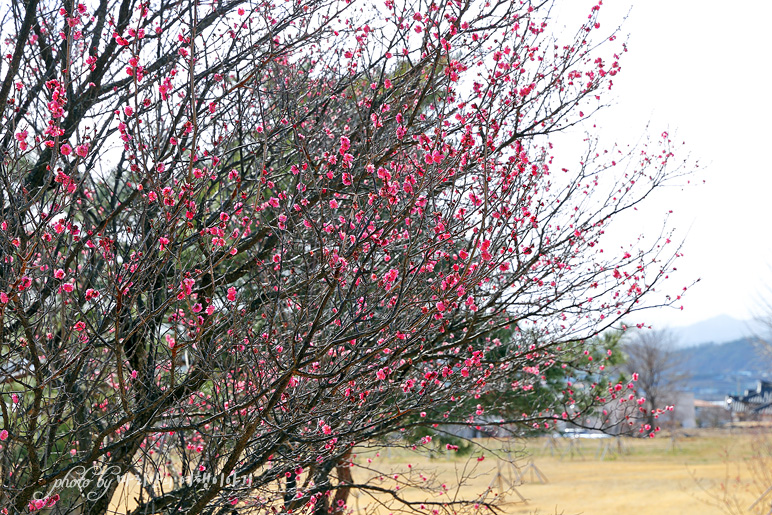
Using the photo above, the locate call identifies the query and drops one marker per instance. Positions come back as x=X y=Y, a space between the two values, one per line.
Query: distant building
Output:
x=754 y=405
x=684 y=414
x=13 y=371
x=711 y=413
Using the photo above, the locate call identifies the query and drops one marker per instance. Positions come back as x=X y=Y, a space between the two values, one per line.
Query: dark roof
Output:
x=14 y=370
x=754 y=401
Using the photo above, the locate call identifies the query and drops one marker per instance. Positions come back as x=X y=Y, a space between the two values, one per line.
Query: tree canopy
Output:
x=241 y=238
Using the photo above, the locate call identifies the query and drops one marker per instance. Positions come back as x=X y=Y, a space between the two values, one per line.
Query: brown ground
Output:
x=689 y=475
x=695 y=475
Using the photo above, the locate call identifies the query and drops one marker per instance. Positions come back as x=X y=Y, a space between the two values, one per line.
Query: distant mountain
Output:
x=722 y=356
x=727 y=368
x=719 y=329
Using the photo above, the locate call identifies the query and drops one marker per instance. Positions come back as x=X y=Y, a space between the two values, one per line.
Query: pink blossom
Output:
x=231 y=294
x=4 y=434
x=345 y=144
x=186 y=287
x=26 y=282
x=82 y=150
x=65 y=149
x=68 y=287
x=59 y=273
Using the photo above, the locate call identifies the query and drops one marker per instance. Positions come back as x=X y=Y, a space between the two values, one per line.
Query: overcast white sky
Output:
x=700 y=69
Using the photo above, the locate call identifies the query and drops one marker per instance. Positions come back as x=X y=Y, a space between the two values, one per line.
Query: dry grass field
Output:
x=687 y=475
x=693 y=475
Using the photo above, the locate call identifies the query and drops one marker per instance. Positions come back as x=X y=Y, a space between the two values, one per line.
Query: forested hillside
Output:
x=720 y=369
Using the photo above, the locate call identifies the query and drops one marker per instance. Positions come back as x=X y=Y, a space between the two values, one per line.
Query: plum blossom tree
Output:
x=239 y=238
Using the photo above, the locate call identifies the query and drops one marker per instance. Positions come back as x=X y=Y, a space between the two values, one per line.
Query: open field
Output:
x=641 y=476
x=685 y=475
